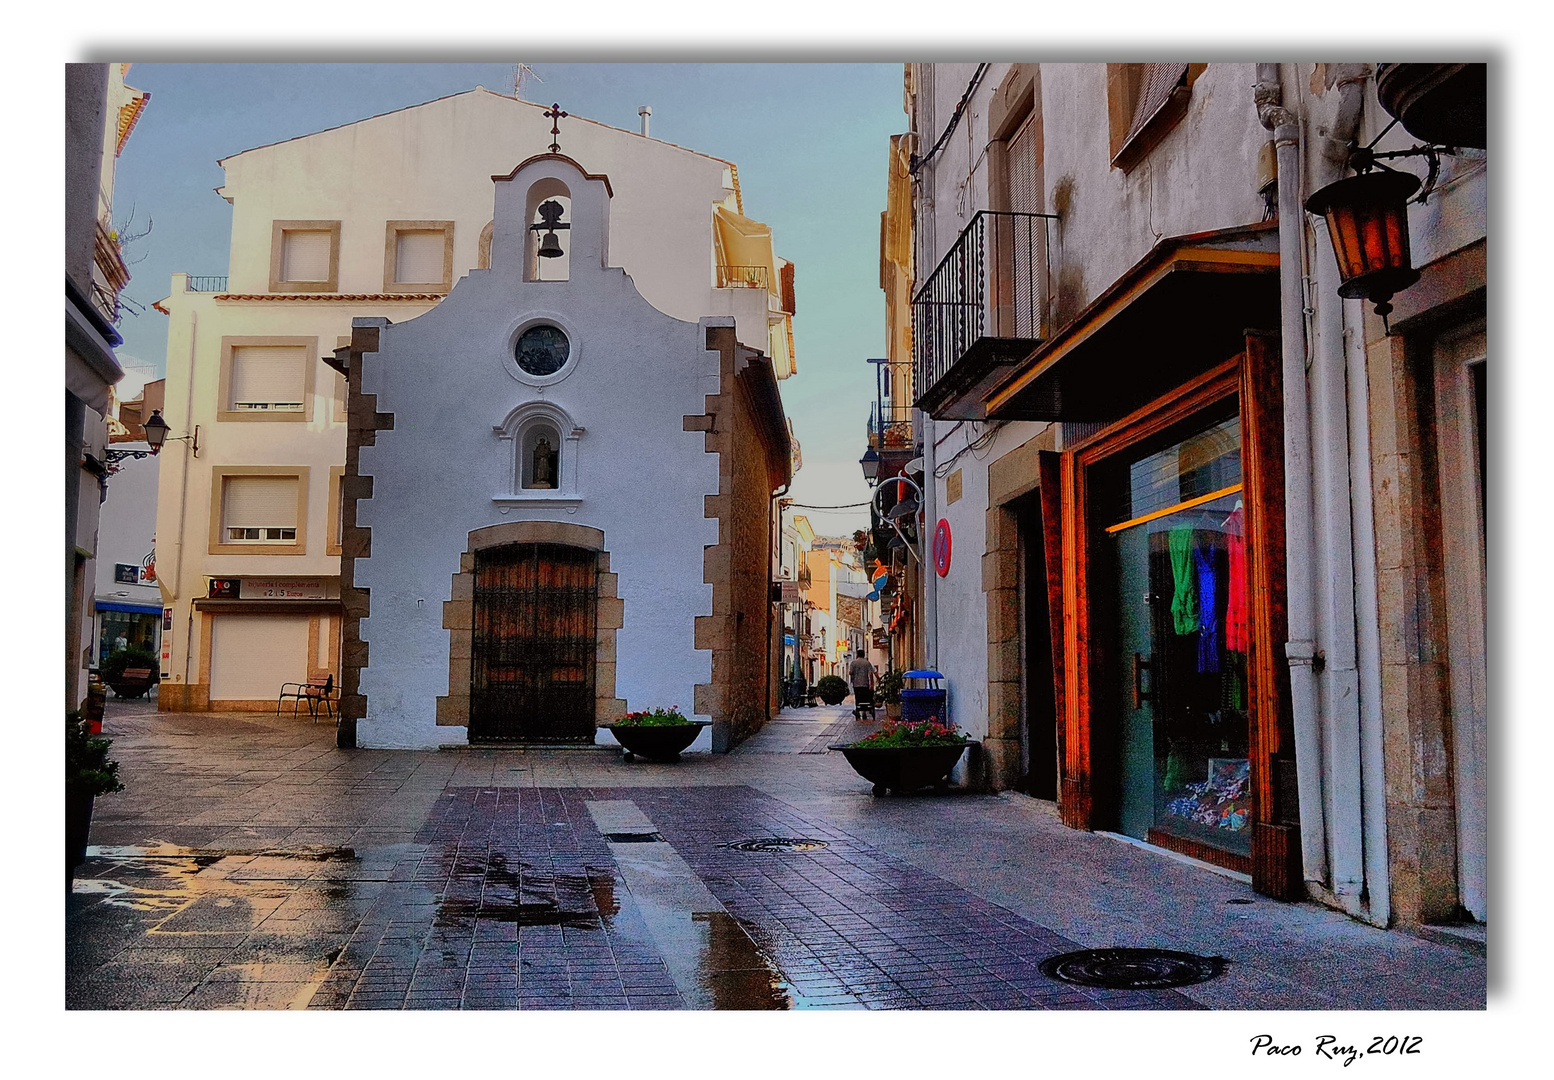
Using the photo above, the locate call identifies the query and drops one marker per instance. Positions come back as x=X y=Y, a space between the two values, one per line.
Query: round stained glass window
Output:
x=542 y=350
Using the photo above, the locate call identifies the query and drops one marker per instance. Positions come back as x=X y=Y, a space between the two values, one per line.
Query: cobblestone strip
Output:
x=848 y=919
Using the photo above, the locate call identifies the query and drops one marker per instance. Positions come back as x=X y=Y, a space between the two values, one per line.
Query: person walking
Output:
x=860 y=673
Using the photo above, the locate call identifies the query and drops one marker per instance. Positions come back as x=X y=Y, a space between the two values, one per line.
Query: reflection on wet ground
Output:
x=536 y=898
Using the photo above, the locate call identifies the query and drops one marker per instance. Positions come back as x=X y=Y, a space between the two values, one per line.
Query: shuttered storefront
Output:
x=252 y=655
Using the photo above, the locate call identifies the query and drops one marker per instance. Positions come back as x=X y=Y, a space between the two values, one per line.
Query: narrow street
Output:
x=250 y=864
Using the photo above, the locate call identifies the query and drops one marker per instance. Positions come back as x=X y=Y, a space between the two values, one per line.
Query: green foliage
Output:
x=890 y=687
x=88 y=771
x=669 y=717
x=922 y=733
x=832 y=689
x=114 y=666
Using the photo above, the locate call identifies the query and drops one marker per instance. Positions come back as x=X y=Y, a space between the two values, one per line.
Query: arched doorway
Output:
x=533 y=657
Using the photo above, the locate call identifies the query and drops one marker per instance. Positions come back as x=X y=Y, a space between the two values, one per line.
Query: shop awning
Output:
x=128 y=605
x=1183 y=309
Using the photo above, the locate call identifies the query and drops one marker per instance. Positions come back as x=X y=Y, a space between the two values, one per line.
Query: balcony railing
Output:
x=890 y=426
x=208 y=284
x=983 y=308
x=742 y=277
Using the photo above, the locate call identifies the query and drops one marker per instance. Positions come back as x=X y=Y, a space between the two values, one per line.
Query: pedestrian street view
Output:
x=537 y=541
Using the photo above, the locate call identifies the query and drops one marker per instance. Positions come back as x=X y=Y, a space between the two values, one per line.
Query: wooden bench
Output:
x=133 y=682
x=315 y=692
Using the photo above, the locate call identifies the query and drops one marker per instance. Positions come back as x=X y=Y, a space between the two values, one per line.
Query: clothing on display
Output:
x=1184 y=598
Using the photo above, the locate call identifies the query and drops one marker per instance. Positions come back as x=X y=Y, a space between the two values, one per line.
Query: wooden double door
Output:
x=532 y=667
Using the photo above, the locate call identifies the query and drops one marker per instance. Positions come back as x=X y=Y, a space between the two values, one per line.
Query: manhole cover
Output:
x=777 y=843
x=1132 y=969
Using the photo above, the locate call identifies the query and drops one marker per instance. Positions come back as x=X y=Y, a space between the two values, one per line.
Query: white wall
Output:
x=642 y=479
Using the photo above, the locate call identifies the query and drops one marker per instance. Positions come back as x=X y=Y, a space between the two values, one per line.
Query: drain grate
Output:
x=633 y=838
x=778 y=843
x=1132 y=969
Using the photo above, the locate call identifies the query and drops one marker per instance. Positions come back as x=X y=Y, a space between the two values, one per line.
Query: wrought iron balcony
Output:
x=742 y=277
x=890 y=427
x=983 y=309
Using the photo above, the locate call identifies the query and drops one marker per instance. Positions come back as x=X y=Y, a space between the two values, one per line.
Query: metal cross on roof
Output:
x=555 y=114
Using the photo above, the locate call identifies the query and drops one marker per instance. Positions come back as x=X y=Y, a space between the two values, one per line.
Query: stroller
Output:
x=863 y=703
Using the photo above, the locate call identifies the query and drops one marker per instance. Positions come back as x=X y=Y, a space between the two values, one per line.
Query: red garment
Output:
x=1236 y=632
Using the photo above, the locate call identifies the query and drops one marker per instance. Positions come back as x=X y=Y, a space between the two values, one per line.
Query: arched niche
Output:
x=524 y=430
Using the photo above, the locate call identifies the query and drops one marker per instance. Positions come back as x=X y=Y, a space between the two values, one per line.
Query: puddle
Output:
x=733 y=972
x=531 y=897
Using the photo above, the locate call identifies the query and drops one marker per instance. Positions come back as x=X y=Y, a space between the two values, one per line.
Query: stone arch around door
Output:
x=459 y=614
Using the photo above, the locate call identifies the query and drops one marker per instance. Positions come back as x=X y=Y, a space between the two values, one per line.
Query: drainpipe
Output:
x=1360 y=826
x=1300 y=649
x=929 y=585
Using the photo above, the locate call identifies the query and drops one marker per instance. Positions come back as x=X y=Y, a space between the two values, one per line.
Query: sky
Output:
x=810 y=140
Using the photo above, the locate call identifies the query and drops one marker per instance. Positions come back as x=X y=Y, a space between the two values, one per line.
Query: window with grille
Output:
x=259 y=509
x=268 y=378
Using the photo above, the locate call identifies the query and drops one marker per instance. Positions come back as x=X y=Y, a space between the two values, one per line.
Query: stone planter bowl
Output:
x=903 y=768
x=657 y=743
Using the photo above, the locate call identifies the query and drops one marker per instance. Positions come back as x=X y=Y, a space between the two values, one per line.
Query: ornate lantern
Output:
x=1367 y=218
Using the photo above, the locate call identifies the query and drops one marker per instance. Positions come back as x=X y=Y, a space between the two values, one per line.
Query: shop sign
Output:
x=790 y=592
x=282 y=589
x=131 y=574
x=224 y=588
x=167 y=639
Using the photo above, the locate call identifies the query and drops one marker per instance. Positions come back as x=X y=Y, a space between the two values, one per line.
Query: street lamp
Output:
x=1367 y=218
x=871 y=464
x=156 y=430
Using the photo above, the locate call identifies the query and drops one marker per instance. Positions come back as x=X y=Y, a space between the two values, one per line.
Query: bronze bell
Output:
x=550 y=246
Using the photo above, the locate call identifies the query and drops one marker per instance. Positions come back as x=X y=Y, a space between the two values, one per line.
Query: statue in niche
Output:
x=544 y=464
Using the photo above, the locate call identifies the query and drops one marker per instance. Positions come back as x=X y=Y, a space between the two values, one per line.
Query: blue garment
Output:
x=1208 y=620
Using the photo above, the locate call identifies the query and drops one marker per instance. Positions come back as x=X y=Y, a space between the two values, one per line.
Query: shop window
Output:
x=418 y=256
x=265 y=378
x=305 y=256
x=258 y=510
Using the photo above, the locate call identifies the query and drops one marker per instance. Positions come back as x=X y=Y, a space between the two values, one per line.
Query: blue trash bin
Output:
x=924 y=702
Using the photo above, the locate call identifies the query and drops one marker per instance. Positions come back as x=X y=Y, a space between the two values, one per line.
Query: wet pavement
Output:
x=252 y=865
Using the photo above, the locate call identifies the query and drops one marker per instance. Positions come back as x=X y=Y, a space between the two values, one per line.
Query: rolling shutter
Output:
x=418 y=257
x=305 y=256
x=259 y=502
x=267 y=376
x=251 y=655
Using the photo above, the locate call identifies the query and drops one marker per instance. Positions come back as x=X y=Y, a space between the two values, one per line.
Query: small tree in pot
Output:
x=889 y=693
x=832 y=689
x=88 y=774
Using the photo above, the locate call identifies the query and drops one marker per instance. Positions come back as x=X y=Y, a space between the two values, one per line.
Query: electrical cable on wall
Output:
x=971 y=88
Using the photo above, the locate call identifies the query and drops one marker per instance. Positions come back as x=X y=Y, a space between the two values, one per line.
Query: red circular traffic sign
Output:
x=941 y=548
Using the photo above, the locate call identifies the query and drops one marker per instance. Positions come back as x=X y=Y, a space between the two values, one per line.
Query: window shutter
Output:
x=1155 y=86
x=1023 y=196
x=306 y=255
x=418 y=257
x=267 y=375
x=260 y=502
